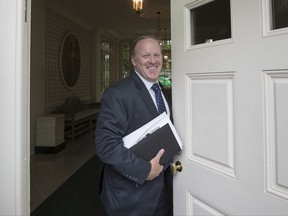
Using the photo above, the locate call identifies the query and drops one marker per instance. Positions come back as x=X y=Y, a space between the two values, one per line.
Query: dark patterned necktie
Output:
x=159 y=99
x=161 y=108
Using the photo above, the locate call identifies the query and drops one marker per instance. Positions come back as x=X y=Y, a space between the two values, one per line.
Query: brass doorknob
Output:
x=174 y=167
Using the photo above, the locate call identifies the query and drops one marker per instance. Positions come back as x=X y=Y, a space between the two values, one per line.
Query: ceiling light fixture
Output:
x=138 y=7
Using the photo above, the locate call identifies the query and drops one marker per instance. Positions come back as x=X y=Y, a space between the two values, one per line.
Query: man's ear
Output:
x=133 y=61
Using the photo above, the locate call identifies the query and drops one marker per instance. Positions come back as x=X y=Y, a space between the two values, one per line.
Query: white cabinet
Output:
x=50 y=134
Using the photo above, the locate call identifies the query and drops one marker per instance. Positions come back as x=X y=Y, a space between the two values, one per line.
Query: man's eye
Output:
x=148 y=56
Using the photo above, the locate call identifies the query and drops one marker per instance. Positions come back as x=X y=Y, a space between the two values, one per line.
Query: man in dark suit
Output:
x=129 y=184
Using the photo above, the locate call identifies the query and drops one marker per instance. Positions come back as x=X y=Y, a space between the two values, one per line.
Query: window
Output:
x=125 y=58
x=279 y=14
x=210 y=22
x=105 y=63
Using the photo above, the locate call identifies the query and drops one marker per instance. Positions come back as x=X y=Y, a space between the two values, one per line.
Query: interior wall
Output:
x=56 y=93
x=49 y=27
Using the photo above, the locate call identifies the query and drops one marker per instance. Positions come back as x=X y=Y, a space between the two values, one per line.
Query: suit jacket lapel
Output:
x=144 y=94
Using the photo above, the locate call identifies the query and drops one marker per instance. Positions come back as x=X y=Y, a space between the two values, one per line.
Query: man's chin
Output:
x=154 y=76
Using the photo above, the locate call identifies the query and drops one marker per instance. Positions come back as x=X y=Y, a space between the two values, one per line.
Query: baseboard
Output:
x=49 y=149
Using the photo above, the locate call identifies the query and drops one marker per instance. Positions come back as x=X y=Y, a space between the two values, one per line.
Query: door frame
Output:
x=15 y=115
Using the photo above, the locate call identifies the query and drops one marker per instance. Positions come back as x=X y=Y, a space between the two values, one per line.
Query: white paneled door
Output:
x=230 y=106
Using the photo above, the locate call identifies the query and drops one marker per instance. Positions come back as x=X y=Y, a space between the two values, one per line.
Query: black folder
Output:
x=150 y=145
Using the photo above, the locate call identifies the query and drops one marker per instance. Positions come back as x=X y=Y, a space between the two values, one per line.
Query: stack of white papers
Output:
x=152 y=126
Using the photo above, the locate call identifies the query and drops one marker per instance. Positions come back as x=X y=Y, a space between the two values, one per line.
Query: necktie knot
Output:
x=155 y=87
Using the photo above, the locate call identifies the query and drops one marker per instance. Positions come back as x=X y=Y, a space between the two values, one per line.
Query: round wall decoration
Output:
x=70 y=60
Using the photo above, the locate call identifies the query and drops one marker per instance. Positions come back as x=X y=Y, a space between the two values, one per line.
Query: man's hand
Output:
x=156 y=168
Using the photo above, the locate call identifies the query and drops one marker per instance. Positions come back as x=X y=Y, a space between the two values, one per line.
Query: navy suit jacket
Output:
x=125 y=107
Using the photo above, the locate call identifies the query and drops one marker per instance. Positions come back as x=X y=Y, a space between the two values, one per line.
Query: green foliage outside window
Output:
x=165 y=76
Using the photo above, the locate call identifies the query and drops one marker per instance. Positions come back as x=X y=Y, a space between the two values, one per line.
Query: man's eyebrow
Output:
x=146 y=53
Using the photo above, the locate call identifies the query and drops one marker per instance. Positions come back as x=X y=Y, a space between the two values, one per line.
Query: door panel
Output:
x=230 y=105
x=210 y=98
x=276 y=112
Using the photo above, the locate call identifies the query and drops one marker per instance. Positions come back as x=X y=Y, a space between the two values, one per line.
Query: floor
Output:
x=49 y=171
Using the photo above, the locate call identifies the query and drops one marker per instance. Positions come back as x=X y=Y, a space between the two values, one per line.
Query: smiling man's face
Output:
x=148 y=59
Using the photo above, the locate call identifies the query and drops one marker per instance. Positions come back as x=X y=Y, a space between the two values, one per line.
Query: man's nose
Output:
x=152 y=59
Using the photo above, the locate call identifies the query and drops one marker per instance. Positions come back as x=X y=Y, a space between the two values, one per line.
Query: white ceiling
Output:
x=117 y=16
